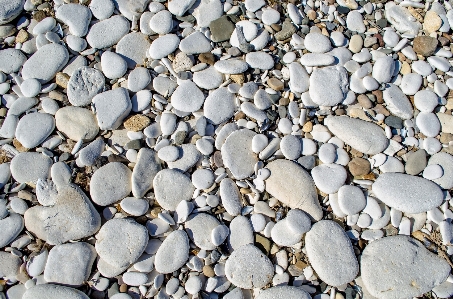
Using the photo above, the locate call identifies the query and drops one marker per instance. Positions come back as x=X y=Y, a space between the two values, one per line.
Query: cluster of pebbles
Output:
x=226 y=149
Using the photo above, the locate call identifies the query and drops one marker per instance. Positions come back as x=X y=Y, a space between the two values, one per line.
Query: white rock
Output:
x=351 y=199
x=425 y=100
x=83 y=85
x=113 y=65
x=110 y=183
x=231 y=66
x=208 y=78
x=161 y=22
x=328 y=85
x=402 y=19
x=133 y=47
x=77 y=123
x=329 y=177
x=138 y=79
x=317 y=43
x=259 y=60
x=187 y=97
x=11 y=60
x=11 y=228
x=76 y=16
x=102 y=9
x=30 y=166
x=107 y=32
x=179 y=7
x=45 y=63
x=237 y=153
x=230 y=196
x=171 y=187
x=199 y=229
x=428 y=123
x=134 y=206
x=195 y=43
x=411 y=83
x=164 y=45
x=111 y=108
x=383 y=69
x=173 y=253
x=52 y=291
x=354 y=22
x=30 y=87
x=34 y=128
x=397 y=102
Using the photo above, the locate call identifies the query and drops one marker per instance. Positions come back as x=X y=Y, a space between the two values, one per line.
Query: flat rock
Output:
x=237 y=153
x=76 y=16
x=329 y=177
x=179 y=7
x=288 y=292
x=34 y=128
x=445 y=160
x=11 y=228
x=77 y=123
x=115 y=245
x=11 y=60
x=30 y=166
x=328 y=85
x=402 y=19
x=9 y=264
x=259 y=60
x=146 y=167
x=110 y=183
x=285 y=175
x=199 y=228
x=299 y=79
x=83 y=85
x=425 y=45
x=248 y=267
x=45 y=63
x=330 y=253
x=10 y=10
x=189 y=155
x=133 y=47
x=231 y=66
x=317 y=43
x=366 y=137
x=112 y=107
x=171 y=187
x=52 y=291
x=230 y=196
x=70 y=264
x=219 y=106
x=161 y=22
x=164 y=45
x=113 y=65
x=397 y=102
x=241 y=232
x=108 y=32
x=138 y=79
x=208 y=78
x=418 y=271
x=195 y=43
x=55 y=224
x=187 y=97
x=221 y=29
x=173 y=253
x=102 y=9
x=406 y=193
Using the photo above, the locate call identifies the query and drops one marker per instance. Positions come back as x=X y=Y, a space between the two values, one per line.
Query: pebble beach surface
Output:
x=204 y=149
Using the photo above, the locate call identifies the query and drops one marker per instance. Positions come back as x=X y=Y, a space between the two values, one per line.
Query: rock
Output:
x=299 y=80
x=231 y=66
x=288 y=29
x=406 y=193
x=55 y=223
x=254 y=5
x=219 y=234
x=113 y=65
x=397 y=102
x=161 y=22
x=83 y=85
x=330 y=253
x=111 y=108
x=416 y=162
x=11 y=228
x=45 y=63
x=221 y=29
x=361 y=135
x=110 y=183
x=425 y=100
x=208 y=78
x=207 y=11
x=138 y=79
x=383 y=69
x=76 y=16
x=195 y=43
x=402 y=19
x=444 y=160
x=115 y=245
x=259 y=60
x=179 y=7
x=107 y=32
x=288 y=292
x=70 y=264
x=285 y=174
x=164 y=45
x=173 y=253
x=11 y=59
x=425 y=45
x=89 y=154
x=237 y=153
x=9 y=264
x=133 y=47
x=432 y=22
x=419 y=272
x=230 y=196
x=187 y=97
x=199 y=228
x=77 y=123
x=248 y=268
x=10 y=10
x=52 y=291
x=34 y=128
x=219 y=106
x=29 y=167
x=134 y=206
x=241 y=232
x=171 y=187
x=30 y=87
x=317 y=43
x=329 y=177
x=146 y=167
x=141 y=100
x=189 y=155
x=328 y=85
x=445 y=122
x=102 y=9
x=291 y=147
x=354 y=22
x=428 y=123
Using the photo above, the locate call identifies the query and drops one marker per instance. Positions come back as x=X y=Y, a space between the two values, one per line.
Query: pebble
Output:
x=111 y=108
x=107 y=32
x=383 y=69
x=113 y=65
x=102 y=9
x=402 y=19
x=354 y=22
x=164 y=45
x=70 y=264
x=34 y=128
x=248 y=268
x=328 y=85
x=76 y=16
x=299 y=79
x=290 y=146
x=202 y=178
x=444 y=160
x=52 y=291
x=230 y=196
x=289 y=292
x=89 y=154
x=171 y=187
x=133 y=278
x=83 y=85
x=134 y=206
x=330 y=253
x=425 y=100
x=195 y=43
x=133 y=48
x=284 y=174
x=397 y=102
x=12 y=226
x=114 y=244
x=351 y=199
x=38 y=167
x=259 y=60
x=30 y=88
x=187 y=97
x=110 y=183
x=317 y=43
x=138 y=79
x=199 y=229
x=173 y=253
x=161 y=22
x=422 y=269
x=77 y=123
x=45 y=63
x=418 y=195
x=428 y=123
x=329 y=177
x=231 y=66
x=411 y=83
x=237 y=153
x=425 y=45
x=208 y=78
x=10 y=264
x=11 y=60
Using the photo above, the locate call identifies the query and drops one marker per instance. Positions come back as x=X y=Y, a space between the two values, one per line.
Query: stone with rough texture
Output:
x=29 y=167
x=164 y=45
x=83 y=85
x=329 y=177
x=11 y=228
x=76 y=16
x=425 y=45
x=446 y=162
x=219 y=106
x=133 y=47
x=402 y=19
x=9 y=264
x=249 y=268
x=237 y=153
x=199 y=227
x=146 y=167
x=108 y=32
x=328 y=85
x=366 y=137
x=120 y=242
x=11 y=60
x=409 y=194
x=9 y=10
x=187 y=97
x=171 y=187
x=56 y=223
x=110 y=183
x=45 y=63
x=418 y=270
x=286 y=182
x=112 y=107
x=34 y=128
x=173 y=253
x=397 y=102
x=195 y=43
x=330 y=253
x=52 y=291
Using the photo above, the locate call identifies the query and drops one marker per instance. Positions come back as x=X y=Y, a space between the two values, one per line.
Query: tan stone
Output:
x=21 y=36
x=238 y=78
x=62 y=79
x=137 y=122
x=432 y=22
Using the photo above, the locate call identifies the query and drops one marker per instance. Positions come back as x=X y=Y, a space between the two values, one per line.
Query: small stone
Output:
x=199 y=228
x=83 y=85
x=138 y=79
x=171 y=187
x=432 y=22
x=425 y=45
x=163 y=46
x=173 y=253
x=221 y=29
x=52 y=291
x=113 y=65
x=34 y=128
x=136 y=122
x=76 y=16
x=187 y=97
x=45 y=63
x=329 y=177
x=111 y=108
x=237 y=153
x=77 y=123
x=110 y=183
x=107 y=32
x=317 y=43
x=275 y=84
x=230 y=196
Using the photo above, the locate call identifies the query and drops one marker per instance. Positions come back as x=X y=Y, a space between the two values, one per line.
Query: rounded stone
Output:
x=77 y=123
x=110 y=183
x=171 y=187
